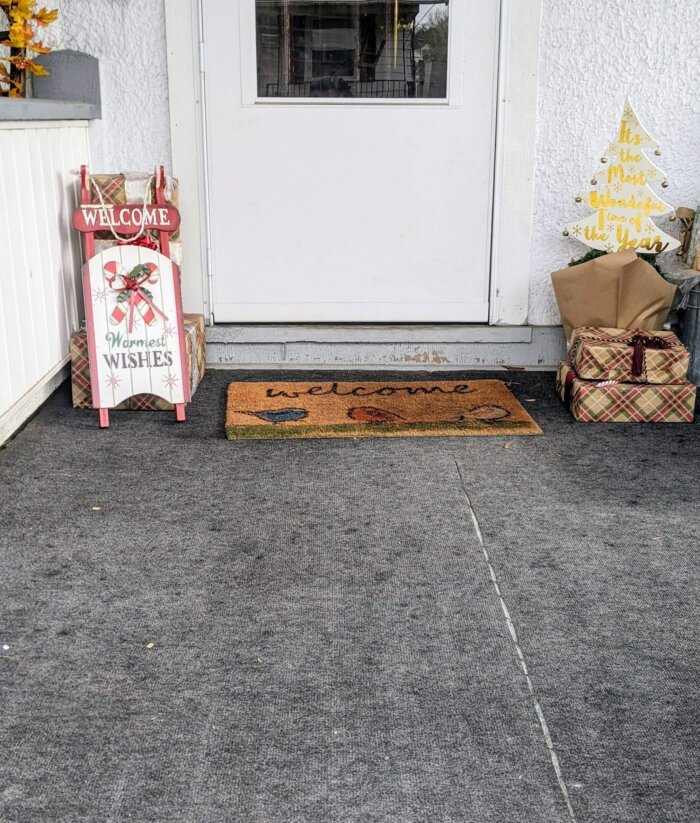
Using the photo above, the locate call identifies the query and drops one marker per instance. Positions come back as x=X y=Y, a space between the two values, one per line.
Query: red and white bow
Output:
x=132 y=291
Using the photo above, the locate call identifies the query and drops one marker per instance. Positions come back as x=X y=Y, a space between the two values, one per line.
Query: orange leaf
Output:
x=44 y=17
x=38 y=48
x=36 y=69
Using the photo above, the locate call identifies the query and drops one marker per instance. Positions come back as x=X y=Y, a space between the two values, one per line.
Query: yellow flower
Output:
x=23 y=9
x=20 y=34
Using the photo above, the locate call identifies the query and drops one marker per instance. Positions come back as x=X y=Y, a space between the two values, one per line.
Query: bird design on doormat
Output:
x=371 y=414
x=484 y=413
x=287 y=415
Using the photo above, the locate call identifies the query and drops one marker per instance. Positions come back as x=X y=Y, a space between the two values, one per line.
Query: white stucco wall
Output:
x=128 y=38
x=593 y=54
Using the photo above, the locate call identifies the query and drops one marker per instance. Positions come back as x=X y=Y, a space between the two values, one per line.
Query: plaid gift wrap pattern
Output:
x=195 y=347
x=609 y=402
x=609 y=354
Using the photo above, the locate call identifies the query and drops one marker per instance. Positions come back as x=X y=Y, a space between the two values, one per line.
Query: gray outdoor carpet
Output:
x=317 y=630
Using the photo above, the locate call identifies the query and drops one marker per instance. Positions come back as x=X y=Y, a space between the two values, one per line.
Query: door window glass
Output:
x=358 y=48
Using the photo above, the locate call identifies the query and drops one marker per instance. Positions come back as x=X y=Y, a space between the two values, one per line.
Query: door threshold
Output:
x=366 y=333
x=367 y=346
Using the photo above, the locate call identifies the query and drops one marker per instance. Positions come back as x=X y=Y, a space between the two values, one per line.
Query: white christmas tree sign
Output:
x=624 y=203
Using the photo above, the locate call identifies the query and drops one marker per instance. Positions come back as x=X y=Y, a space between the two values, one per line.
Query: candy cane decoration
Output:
x=135 y=295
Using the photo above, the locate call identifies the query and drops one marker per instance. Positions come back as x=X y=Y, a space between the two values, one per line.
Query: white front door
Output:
x=350 y=153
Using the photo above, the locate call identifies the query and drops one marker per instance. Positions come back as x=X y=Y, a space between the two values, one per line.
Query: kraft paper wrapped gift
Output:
x=618 y=290
x=628 y=356
x=591 y=401
x=195 y=346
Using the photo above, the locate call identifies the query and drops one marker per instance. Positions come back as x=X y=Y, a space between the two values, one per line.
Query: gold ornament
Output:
x=565 y=233
x=664 y=185
x=657 y=152
x=603 y=159
x=594 y=182
x=578 y=199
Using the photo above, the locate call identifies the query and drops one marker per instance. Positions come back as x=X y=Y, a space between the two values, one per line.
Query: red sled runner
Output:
x=133 y=308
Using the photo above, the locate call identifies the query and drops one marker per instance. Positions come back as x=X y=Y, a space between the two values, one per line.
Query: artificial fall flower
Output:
x=23 y=18
x=20 y=35
x=23 y=9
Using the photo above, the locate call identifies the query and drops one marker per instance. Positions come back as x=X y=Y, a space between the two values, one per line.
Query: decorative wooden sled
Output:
x=133 y=308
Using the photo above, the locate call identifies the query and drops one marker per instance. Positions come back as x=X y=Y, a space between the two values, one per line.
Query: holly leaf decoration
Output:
x=139 y=272
x=123 y=296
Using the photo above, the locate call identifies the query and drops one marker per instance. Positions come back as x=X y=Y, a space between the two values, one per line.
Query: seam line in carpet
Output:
x=521 y=657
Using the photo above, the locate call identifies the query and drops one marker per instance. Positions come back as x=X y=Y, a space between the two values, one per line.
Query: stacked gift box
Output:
x=195 y=347
x=626 y=376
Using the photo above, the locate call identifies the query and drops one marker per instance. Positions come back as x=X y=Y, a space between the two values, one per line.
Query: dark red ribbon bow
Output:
x=641 y=343
x=132 y=284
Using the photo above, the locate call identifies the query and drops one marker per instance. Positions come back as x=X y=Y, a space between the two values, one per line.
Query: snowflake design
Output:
x=113 y=380
x=170 y=381
x=608 y=247
x=169 y=330
x=138 y=322
x=99 y=295
x=610 y=227
x=641 y=193
x=651 y=174
x=576 y=230
x=618 y=186
x=629 y=114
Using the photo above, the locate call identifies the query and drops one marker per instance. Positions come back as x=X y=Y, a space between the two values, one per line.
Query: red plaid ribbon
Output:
x=569 y=385
x=137 y=296
x=145 y=240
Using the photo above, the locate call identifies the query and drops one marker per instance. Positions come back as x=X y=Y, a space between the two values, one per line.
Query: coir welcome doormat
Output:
x=382 y=409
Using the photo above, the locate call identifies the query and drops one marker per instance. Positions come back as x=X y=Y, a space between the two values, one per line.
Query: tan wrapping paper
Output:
x=618 y=290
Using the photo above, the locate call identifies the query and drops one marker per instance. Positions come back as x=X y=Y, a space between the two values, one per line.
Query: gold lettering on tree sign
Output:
x=626 y=242
x=627 y=137
x=626 y=156
x=607 y=201
x=617 y=174
x=591 y=234
x=623 y=203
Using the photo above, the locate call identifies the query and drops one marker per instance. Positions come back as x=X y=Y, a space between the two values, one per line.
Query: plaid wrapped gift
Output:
x=608 y=402
x=628 y=356
x=195 y=346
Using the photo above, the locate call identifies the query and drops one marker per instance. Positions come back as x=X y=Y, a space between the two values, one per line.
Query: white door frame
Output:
x=514 y=154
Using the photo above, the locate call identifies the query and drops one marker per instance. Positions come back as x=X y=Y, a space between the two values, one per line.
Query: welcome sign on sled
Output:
x=133 y=308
